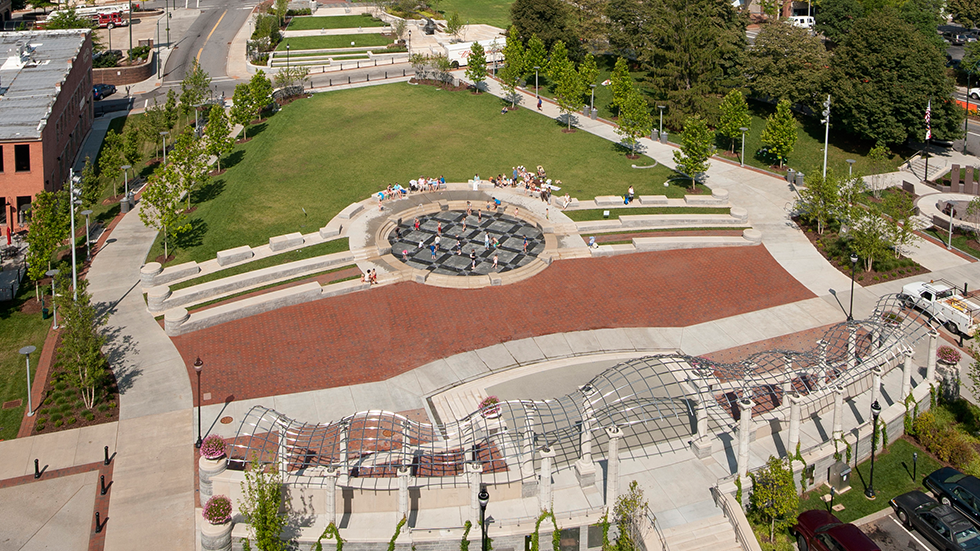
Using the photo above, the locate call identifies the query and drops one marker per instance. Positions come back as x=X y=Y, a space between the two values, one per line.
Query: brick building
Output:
x=45 y=113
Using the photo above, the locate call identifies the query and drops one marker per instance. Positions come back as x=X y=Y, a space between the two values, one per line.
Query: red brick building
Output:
x=45 y=113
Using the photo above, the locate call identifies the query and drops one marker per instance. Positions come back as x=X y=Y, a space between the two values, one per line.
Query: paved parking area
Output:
x=890 y=535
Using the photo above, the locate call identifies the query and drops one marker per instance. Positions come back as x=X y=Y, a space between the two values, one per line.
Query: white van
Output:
x=804 y=21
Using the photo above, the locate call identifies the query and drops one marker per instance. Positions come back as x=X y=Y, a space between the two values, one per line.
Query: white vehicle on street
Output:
x=945 y=303
x=974 y=93
x=804 y=21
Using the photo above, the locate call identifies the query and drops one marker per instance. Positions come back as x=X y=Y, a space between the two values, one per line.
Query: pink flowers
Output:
x=948 y=355
x=213 y=447
x=217 y=510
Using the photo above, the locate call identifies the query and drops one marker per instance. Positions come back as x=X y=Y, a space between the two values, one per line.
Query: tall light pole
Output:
x=966 y=121
x=54 y=306
x=130 y=24
x=854 y=263
x=592 y=102
x=484 y=498
x=166 y=6
x=88 y=240
x=27 y=351
x=826 y=133
x=164 y=134
x=661 y=107
x=741 y=160
x=875 y=412
x=198 y=366
x=287 y=57
x=536 y=68
x=850 y=167
x=159 y=64
x=125 y=169
x=75 y=193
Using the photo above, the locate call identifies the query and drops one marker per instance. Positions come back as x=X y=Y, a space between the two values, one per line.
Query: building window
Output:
x=1 y=158
x=22 y=158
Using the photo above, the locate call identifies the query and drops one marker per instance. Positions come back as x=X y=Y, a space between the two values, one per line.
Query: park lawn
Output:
x=19 y=330
x=334 y=41
x=337 y=22
x=597 y=214
x=893 y=477
x=490 y=12
x=963 y=242
x=337 y=148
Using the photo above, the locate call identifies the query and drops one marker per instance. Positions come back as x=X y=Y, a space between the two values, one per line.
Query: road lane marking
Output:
x=909 y=532
x=198 y=58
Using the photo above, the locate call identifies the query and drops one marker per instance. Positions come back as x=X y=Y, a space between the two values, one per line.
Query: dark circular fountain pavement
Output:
x=452 y=260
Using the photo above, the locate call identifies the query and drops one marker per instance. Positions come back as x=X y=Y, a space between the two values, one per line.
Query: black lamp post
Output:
x=850 y=312
x=484 y=498
x=198 y=366
x=875 y=412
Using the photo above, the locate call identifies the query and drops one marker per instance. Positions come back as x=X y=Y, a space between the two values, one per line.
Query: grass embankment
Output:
x=334 y=22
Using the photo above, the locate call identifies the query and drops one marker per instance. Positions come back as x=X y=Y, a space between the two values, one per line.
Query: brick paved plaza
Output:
x=375 y=335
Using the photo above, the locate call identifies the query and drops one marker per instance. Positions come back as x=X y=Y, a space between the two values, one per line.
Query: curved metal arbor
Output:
x=655 y=400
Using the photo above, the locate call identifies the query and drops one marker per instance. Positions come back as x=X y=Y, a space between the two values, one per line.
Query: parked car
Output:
x=819 y=530
x=957 y=490
x=940 y=524
x=974 y=93
x=101 y=91
x=958 y=40
x=802 y=21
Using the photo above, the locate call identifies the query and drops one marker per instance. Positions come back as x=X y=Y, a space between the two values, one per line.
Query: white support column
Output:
x=330 y=483
x=851 y=346
x=544 y=495
x=931 y=360
x=701 y=444
x=342 y=443
x=529 y=485
x=744 y=435
x=612 y=467
x=585 y=467
x=282 y=461
x=403 y=473
x=876 y=374
x=838 y=430
x=794 y=424
x=474 y=473
x=906 y=375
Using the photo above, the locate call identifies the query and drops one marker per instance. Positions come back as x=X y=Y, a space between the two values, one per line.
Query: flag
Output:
x=929 y=120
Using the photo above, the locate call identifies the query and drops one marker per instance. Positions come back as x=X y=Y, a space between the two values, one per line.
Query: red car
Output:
x=819 y=530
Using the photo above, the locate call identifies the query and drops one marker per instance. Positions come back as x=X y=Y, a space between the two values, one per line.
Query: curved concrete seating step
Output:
x=749 y=237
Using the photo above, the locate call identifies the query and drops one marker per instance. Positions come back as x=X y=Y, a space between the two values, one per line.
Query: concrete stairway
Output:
x=456 y=404
x=710 y=534
x=917 y=166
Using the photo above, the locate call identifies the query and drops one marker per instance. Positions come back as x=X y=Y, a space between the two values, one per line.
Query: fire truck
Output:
x=104 y=17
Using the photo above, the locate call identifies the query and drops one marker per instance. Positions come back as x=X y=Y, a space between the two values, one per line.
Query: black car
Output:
x=960 y=491
x=101 y=91
x=940 y=524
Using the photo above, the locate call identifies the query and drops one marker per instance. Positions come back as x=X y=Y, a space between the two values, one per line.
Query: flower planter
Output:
x=208 y=469
x=216 y=537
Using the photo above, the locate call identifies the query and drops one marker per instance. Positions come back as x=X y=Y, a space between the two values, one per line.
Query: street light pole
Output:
x=484 y=498
x=850 y=167
x=592 y=102
x=130 y=24
x=826 y=133
x=854 y=261
x=54 y=306
x=875 y=412
x=88 y=241
x=27 y=351
x=75 y=196
x=198 y=366
x=164 y=134
x=287 y=57
x=661 y=107
x=125 y=169
x=741 y=160
x=536 y=67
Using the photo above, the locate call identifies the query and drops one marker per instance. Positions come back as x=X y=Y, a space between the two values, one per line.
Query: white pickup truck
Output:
x=943 y=302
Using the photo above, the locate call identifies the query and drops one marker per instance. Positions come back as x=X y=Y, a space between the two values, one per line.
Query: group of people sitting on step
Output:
x=530 y=181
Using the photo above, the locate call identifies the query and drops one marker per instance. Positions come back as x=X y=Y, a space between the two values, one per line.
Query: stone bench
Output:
x=609 y=201
x=717 y=197
x=231 y=256
x=288 y=241
x=153 y=273
x=333 y=229
x=653 y=199
x=351 y=210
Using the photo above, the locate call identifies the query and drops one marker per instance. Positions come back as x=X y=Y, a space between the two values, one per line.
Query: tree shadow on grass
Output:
x=232 y=160
x=254 y=131
x=208 y=191
x=108 y=215
x=192 y=237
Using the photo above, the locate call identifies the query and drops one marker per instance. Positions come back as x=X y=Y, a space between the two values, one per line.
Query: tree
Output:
x=634 y=119
x=787 y=63
x=901 y=208
x=112 y=158
x=883 y=76
x=261 y=88
x=628 y=511
x=535 y=55
x=697 y=146
x=734 y=116
x=621 y=83
x=878 y=156
x=262 y=497
x=627 y=30
x=476 y=68
x=588 y=73
x=162 y=209
x=589 y=23
x=443 y=67
x=774 y=499
x=779 y=135
x=170 y=112
x=568 y=90
x=280 y=8
x=195 y=87
x=513 y=69
x=454 y=25
x=835 y=18
x=91 y=190
x=820 y=201
x=132 y=145
x=419 y=64
x=297 y=75
x=48 y=229
x=217 y=135
x=964 y=12
x=868 y=233
x=557 y=61
x=926 y=16
x=550 y=20
x=243 y=109
x=80 y=352
x=189 y=162
x=153 y=122
x=68 y=19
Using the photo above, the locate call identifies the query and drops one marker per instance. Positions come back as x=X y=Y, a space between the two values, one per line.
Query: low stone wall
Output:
x=119 y=76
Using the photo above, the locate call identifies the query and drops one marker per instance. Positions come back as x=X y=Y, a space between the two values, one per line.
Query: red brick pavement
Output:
x=377 y=334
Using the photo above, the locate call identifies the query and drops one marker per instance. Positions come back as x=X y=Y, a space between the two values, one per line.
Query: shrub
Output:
x=57 y=416
x=58 y=423
x=60 y=386
x=72 y=420
x=217 y=510
x=948 y=354
x=139 y=52
x=39 y=427
x=213 y=447
x=103 y=407
x=88 y=415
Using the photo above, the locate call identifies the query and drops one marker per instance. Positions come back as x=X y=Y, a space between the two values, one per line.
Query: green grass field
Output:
x=333 y=41
x=338 y=22
x=19 y=330
x=336 y=148
x=491 y=12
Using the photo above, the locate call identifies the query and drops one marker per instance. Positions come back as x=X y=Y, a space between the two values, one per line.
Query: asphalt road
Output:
x=890 y=535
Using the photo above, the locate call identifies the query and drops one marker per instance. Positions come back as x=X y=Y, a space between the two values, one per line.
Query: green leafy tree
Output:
x=68 y=19
x=774 y=500
x=112 y=157
x=780 y=132
x=868 y=232
x=153 y=122
x=626 y=21
x=195 y=87
x=835 y=18
x=162 y=209
x=261 y=88
x=189 y=162
x=820 y=201
x=262 y=496
x=878 y=156
x=217 y=135
x=734 y=116
x=634 y=119
x=550 y=20
x=621 y=83
x=132 y=145
x=80 y=352
x=243 y=110
x=443 y=68
x=697 y=146
x=170 y=112
x=786 y=62
x=926 y=16
x=568 y=90
x=280 y=8
x=883 y=75
x=557 y=62
x=588 y=73
x=513 y=69
x=297 y=75
x=628 y=513
x=91 y=187
x=964 y=12
x=476 y=68
x=535 y=55
x=454 y=25
x=904 y=223
x=47 y=231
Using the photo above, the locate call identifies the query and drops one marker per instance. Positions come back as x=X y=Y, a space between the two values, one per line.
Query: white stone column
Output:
x=876 y=374
x=851 y=346
x=330 y=484
x=403 y=473
x=931 y=360
x=529 y=485
x=794 y=424
x=544 y=493
x=342 y=443
x=283 y=462
x=906 y=375
x=612 y=467
x=474 y=473
x=585 y=467
x=744 y=435
x=838 y=430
